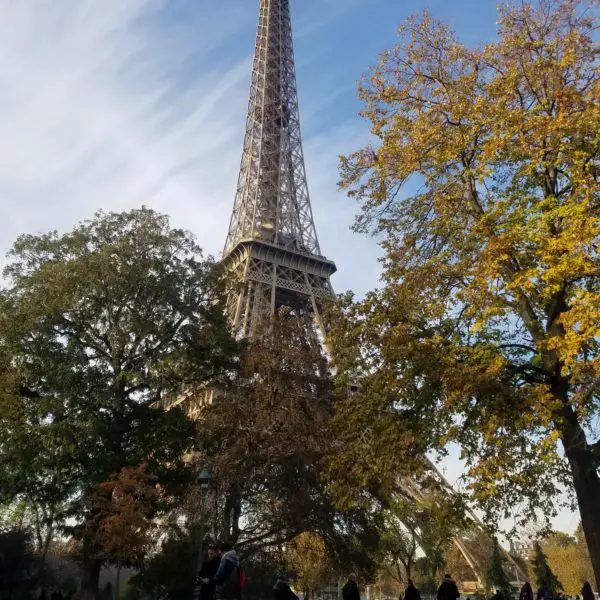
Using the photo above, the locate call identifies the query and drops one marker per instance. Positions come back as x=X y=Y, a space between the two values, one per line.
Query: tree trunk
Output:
x=118 y=583
x=586 y=482
x=90 y=577
x=231 y=517
x=46 y=547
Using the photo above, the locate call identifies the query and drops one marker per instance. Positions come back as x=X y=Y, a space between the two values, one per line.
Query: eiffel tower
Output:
x=272 y=248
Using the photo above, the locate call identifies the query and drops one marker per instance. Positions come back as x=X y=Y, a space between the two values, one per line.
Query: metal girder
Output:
x=272 y=248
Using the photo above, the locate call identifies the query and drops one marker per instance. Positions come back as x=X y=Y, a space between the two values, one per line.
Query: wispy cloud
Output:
x=110 y=104
x=322 y=13
x=97 y=111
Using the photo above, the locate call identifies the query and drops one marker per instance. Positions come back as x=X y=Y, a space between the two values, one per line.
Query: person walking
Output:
x=227 y=577
x=350 y=590
x=586 y=591
x=411 y=592
x=543 y=592
x=282 y=590
x=206 y=574
x=526 y=592
x=448 y=589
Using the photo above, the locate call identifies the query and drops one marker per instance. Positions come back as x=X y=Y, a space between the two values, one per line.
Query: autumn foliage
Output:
x=266 y=439
x=483 y=182
x=124 y=507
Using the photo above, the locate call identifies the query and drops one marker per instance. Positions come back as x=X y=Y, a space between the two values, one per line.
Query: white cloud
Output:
x=95 y=113
x=109 y=104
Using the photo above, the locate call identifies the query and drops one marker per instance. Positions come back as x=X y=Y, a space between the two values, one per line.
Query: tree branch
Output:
x=521 y=346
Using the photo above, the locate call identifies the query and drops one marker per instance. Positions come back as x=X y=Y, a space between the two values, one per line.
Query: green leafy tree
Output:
x=496 y=577
x=308 y=559
x=266 y=439
x=482 y=180
x=423 y=528
x=399 y=540
x=542 y=571
x=97 y=328
x=169 y=573
x=440 y=518
x=29 y=515
x=567 y=557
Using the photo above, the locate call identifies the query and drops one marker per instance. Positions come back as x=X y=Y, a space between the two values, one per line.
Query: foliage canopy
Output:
x=483 y=183
x=97 y=326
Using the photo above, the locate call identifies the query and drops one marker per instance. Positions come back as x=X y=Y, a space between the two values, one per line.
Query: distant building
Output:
x=522 y=548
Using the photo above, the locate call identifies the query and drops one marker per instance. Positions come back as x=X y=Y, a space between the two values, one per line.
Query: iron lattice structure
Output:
x=272 y=248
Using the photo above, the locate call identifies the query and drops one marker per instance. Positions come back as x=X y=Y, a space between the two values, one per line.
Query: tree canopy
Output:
x=422 y=529
x=308 y=559
x=544 y=574
x=568 y=559
x=483 y=183
x=496 y=573
x=266 y=439
x=97 y=326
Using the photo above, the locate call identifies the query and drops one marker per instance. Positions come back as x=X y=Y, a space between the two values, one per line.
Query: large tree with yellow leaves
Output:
x=483 y=183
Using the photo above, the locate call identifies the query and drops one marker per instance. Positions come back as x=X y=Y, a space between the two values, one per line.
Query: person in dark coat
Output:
x=543 y=593
x=526 y=592
x=206 y=574
x=586 y=591
x=350 y=590
x=281 y=589
x=227 y=577
x=448 y=589
x=411 y=593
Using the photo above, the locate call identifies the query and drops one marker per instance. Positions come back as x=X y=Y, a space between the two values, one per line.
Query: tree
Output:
x=169 y=573
x=583 y=556
x=399 y=540
x=496 y=575
x=124 y=508
x=37 y=519
x=457 y=565
x=424 y=528
x=542 y=571
x=266 y=438
x=567 y=557
x=483 y=184
x=39 y=509
x=307 y=558
x=97 y=328
x=260 y=567
x=440 y=519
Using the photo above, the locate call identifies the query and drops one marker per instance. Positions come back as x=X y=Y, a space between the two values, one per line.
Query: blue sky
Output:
x=112 y=104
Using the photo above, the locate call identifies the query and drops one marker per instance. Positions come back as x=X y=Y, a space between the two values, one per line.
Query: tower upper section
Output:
x=272 y=202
